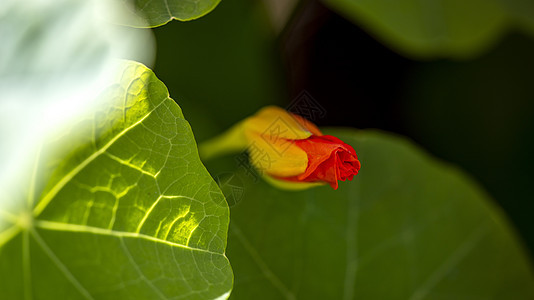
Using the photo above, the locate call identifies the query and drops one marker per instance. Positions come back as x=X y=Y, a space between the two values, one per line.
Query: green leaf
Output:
x=119 y=207
x=54 y=54
x=522 y=11
x=406 y=227
x=153 y=13
x=428 y=29
x=244 y=45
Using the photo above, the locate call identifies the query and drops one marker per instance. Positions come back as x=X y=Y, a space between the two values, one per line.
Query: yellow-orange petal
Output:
x=271 y=134
x=275 y=121
x=276 y=156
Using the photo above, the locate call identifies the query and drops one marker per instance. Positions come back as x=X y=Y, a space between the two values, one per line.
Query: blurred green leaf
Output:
x=406 y=227
x=222 y=67
x=428 y=29
x=154 y=13
x=522 y=11
x=489 y=137
x=120 y=208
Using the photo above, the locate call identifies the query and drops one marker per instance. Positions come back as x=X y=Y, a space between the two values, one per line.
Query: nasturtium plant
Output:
x=107 y=198
x=119 y=206
x=407 y=227
x=154 y=13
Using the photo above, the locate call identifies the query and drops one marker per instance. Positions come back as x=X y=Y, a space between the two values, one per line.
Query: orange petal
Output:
x=275 y=121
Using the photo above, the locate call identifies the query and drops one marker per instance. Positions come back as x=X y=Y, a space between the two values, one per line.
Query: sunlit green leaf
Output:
x=159 y=12
x=427 y=29
x=119 y=207
x=406 y=227
x=55 y=56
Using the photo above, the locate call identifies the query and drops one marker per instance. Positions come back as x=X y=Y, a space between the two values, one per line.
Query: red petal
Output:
x=329 y=160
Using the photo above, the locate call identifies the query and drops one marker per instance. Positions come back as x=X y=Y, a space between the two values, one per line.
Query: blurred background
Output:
x=457 y=79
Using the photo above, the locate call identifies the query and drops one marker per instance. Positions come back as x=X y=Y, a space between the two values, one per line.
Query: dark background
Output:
x=477 y=114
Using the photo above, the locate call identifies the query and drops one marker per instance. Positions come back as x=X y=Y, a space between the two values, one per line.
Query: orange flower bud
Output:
x=289 y=148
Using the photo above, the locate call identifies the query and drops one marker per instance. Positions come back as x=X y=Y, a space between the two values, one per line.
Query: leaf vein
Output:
x=53 y=192
x=61 y=266
x=454 y=258
x=143 y=277
x=50 y=225
x=130 y=165
x=147 y=214
x=26 y=266
x=8 y=234
x=277 y=283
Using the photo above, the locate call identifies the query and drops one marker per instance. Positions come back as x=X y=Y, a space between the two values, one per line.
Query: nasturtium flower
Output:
x=288 y=150
x=291 y=149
